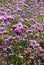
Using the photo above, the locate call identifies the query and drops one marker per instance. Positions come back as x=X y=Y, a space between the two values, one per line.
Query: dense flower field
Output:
x=21 y=32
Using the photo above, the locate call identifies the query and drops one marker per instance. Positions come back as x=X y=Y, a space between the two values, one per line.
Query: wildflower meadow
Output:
x=21 y=32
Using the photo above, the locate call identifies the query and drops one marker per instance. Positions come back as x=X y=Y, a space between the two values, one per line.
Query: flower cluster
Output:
x=21 y=32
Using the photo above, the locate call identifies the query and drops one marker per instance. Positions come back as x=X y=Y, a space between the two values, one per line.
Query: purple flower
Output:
x=32 y=57
x=9 y=47
x=18 y=32
x=41 y=14
x=11 y=54
x=2 y=18
x=19 y=47
x=5 y=23
x=2 y=29
x=3 y=13
x=19 y=10
x=5 y=55
x=23 y=14
x=32 y=20
x=1 y=33
x=5 y=49
x=5 y=32
x=11 y=64
x=10 y=17
x=29 y=31
x=36 y=35
x=26 y=20
x=21 y=57
x=9 y=39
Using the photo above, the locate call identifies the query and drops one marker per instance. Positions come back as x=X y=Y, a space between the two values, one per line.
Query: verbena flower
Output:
x=5 y=23
x=22 y=32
